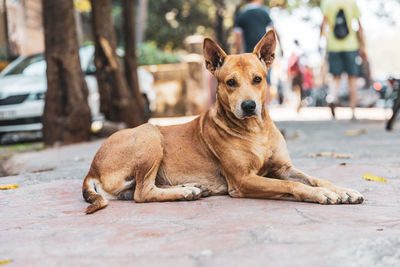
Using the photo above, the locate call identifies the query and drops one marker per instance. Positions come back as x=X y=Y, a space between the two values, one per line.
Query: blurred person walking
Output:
x=295 y=72
x=344 y=46
x=251 y=22
x=308 y=84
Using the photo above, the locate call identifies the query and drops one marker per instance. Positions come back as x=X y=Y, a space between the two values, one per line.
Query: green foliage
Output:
x=292 y=4
x=149 y=54
x=87 y=43
x=170 y=21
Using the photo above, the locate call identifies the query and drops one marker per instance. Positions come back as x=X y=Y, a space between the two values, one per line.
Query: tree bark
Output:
x=130 y=59
x=116 y=101
x=142 y=13
x=66 y=117
x=221 y=33
x=10 y=55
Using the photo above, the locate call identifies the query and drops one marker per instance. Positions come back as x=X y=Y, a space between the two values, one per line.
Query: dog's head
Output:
x=241 y=78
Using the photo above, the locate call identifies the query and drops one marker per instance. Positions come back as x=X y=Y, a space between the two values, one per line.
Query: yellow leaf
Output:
x=82 y=5
x=5 y=261
x=370 y=177
x=6 y=187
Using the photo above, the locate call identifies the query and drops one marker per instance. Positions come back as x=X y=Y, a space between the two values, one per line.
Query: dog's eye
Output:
x=257 y=79
x=231 y=82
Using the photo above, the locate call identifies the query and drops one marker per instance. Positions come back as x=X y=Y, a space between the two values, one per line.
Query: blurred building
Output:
x=21 y=31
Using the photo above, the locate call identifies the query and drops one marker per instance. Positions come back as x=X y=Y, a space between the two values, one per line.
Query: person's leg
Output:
x=353 y=94
x=333 y=98
x=334 y=90
x=280 y=92
x=297 y=90
x=352 y=68
x=301 y=93
x=268 y=95
x=336 y=69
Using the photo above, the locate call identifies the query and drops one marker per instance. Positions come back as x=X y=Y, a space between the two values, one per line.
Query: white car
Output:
x=23 y=87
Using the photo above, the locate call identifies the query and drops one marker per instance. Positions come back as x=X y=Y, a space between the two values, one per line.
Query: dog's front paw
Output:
x=190 y=193
x=204 y=190
x=325 y=196
x=349 y=196
x=320 y=195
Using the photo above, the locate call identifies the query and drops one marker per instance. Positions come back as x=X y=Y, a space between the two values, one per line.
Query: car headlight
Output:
x=96 y=126
x=37 y=96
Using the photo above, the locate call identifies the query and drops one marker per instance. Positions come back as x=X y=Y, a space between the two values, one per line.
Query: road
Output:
x=43 y=223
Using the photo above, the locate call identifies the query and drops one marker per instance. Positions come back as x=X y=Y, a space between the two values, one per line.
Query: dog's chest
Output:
x=248 y=152
x=260 y=151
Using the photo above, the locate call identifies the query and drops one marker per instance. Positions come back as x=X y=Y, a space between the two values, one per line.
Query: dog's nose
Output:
x=249 y=106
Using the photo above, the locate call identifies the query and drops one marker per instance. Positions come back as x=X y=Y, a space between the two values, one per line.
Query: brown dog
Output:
x=234 y=148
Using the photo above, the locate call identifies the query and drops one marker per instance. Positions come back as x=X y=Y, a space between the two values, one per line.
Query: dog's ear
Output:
x=213 y=54
x=265 y=49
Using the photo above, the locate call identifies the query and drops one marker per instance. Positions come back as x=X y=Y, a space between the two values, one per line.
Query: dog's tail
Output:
x=91 y=191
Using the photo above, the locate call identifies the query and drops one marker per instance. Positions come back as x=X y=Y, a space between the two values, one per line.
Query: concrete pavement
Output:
x=43 y=224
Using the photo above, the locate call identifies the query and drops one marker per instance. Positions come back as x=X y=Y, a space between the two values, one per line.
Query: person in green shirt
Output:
x=344 y=45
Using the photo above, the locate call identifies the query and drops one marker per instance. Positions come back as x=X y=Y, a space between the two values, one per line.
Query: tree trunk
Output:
x=130 y=59
x=10 y=54
x=142 y=13
x=220 y=31
x=116 y=101
x=66 y=117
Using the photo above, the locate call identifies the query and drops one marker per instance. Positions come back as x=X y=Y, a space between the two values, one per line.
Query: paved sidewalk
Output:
x=43 y=224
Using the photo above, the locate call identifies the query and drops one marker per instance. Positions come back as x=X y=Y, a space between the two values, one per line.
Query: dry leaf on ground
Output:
x=356 y=132
x=331 y=154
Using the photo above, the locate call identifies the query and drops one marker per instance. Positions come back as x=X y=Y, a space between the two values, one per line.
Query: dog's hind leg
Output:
x=126 y=195
x=91 y=193
x=147 y=191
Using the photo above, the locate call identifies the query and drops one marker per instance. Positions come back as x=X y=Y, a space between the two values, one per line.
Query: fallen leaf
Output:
x=370 y=177
x=43 y=170
x=294 y=137
x=356 y=132
x=343 y=164
x=6 y=187
x=5 y=261
x=331 y=154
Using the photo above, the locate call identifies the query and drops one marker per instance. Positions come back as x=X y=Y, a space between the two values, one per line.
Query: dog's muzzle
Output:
x=249 y=108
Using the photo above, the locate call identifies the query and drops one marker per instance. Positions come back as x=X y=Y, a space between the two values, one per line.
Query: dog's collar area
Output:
x=231 y=131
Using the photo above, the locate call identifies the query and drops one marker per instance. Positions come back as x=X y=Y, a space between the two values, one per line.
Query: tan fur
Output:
x=223 y=151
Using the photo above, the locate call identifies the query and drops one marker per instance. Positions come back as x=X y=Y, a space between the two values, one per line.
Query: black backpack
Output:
x=341 y=30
